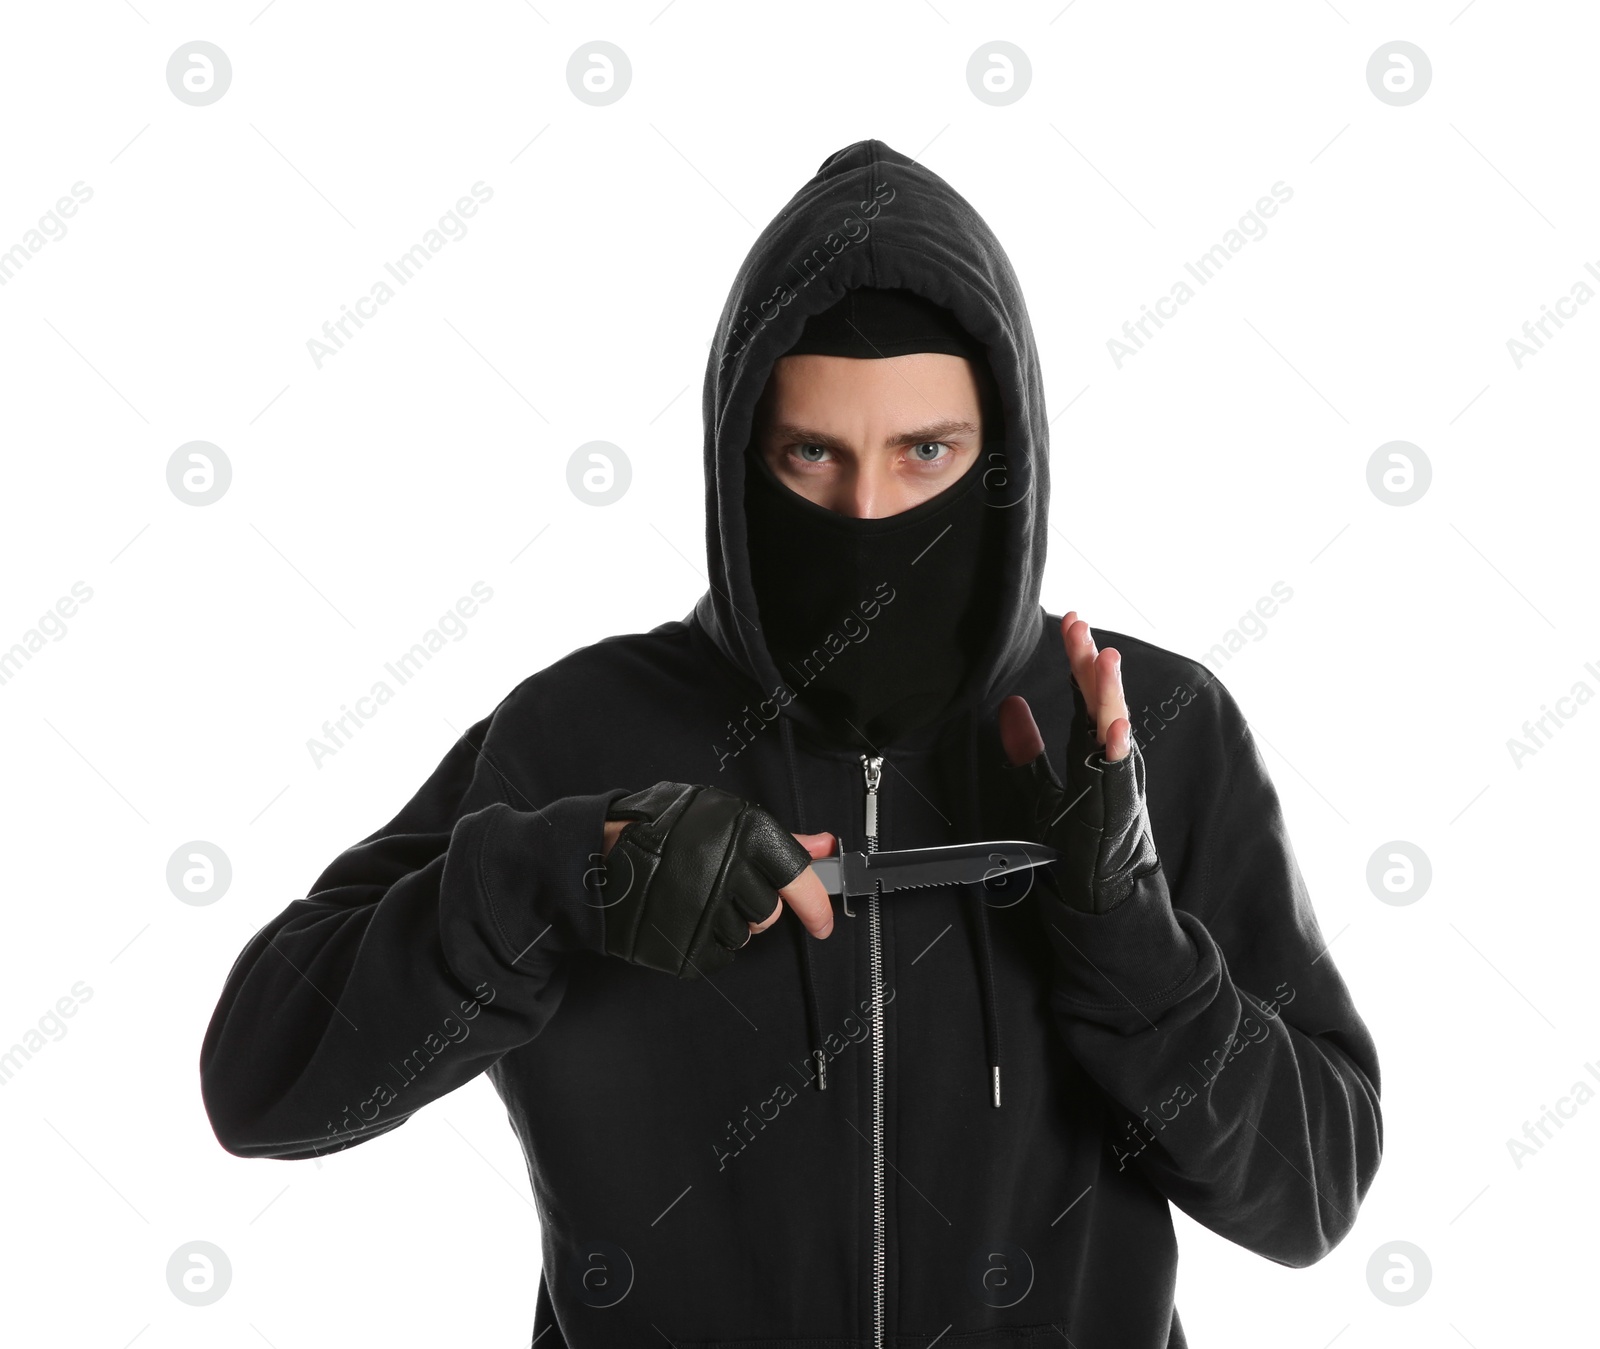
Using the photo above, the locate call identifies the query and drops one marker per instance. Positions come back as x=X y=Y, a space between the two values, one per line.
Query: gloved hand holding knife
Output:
x=688 y=871
x=691 y=873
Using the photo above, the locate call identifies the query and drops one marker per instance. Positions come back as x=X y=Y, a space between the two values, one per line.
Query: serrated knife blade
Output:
x=855 y=873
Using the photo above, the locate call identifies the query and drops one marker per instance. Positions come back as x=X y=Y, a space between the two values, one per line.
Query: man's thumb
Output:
x=1019 y=732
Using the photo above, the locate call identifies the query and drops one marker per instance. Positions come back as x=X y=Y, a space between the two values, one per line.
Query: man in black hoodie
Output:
x=806 y=1138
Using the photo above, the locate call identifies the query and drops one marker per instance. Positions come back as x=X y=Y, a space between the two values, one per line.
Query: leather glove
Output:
x=682 y=881
x=1096 y=821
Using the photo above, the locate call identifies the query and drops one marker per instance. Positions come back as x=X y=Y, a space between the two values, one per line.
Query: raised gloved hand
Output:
x=1096 y=821
x=696 y=868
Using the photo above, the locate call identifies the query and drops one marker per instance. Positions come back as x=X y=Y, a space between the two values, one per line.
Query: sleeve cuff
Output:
x=1133 y=957
x=529 y=879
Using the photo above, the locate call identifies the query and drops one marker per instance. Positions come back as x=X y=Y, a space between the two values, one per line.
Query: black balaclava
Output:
x=874 y=624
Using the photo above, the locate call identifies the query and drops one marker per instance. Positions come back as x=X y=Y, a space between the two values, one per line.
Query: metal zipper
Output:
x=872 y=770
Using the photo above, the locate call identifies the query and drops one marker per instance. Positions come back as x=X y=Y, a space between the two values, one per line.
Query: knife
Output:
x=857 y=873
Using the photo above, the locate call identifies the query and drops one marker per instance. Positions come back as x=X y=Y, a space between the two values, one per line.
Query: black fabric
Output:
x=1196 y=1046
x=870 y=322
x=874 y=623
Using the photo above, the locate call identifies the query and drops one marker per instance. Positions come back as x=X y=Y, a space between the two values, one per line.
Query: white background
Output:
x=368 y=495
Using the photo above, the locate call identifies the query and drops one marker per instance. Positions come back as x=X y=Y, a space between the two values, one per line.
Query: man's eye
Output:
x=928 y=451
x=812 y=454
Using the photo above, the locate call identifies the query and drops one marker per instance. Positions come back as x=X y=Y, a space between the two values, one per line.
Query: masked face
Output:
x=870 y=438
x=873 y=549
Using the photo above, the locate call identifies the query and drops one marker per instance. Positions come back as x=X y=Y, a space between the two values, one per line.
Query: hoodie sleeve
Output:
x=419 y=957
x=1223 y=1029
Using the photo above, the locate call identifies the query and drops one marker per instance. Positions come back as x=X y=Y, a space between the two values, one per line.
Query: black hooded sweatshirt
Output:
x=951 y=1120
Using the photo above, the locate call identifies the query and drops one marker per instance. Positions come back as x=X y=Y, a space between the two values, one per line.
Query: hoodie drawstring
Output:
x=985 y=952
x=985 y=944
x=808 y=980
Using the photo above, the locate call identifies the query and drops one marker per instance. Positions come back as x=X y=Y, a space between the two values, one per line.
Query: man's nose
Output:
x=871 y=492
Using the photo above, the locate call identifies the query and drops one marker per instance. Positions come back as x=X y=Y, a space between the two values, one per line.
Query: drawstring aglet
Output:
x=995 y=1073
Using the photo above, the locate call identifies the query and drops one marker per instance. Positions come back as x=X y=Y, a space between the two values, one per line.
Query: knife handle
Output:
x=827 y=869
x=845 y=873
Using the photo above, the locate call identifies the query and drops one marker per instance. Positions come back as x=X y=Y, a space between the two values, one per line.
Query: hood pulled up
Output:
x=872 y=216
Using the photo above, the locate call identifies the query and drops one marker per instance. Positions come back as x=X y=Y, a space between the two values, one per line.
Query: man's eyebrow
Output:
x=941 y=430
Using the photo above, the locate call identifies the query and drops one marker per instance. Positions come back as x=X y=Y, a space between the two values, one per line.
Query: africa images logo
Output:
x=748 y=324
x=832 y=644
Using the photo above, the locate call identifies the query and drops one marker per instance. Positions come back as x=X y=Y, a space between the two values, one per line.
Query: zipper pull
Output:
x=872 y=773
x=872 y=770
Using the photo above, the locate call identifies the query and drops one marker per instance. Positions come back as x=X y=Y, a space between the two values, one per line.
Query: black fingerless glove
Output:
x=1096 y=822
x=682 y=882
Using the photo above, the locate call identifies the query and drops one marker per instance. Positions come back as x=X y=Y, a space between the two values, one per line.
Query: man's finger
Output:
x=804 y=898
x=818 y=845
x=1079 y=642
x=1112 y=707
x=770 y=919
x=809 y=900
